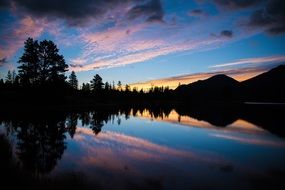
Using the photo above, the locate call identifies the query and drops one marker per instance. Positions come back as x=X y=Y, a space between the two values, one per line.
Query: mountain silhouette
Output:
x=268 y=86
x=218 y=87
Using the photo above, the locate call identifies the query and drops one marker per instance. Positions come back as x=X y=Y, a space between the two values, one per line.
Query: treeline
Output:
x=42 y=77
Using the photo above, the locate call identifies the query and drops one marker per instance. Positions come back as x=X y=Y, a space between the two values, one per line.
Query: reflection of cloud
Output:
x=133 y=146
x=112 y=151
x=250 y=140
x=256 y=60
x=238 y=74
x=197 y=13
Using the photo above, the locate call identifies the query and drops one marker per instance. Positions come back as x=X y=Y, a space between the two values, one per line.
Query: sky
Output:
x=149 y=42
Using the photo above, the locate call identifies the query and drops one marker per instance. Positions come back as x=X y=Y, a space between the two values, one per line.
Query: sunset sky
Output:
x=149 y=42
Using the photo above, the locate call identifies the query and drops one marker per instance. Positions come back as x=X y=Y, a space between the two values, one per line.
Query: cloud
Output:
x=113 y=47
x=223 y=34
x=152 y=9
x=14 y=37
x=271 y=17
x=79 y=13
x=197 y=13
x=256 y=60
x=226 y=33
x=236 y=4
x=2 y=61
x=4 y=3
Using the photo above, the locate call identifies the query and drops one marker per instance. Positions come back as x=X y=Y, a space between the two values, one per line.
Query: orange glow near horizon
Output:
x=173 y=82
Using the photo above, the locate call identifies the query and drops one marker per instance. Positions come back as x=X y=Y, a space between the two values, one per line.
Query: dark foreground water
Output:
x=141 y=149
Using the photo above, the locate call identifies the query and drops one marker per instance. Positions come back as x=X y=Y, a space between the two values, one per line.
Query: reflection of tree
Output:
x=98 y=119
x=40 y=144
x=85 y=118
x=119 y=121
x=71 y=123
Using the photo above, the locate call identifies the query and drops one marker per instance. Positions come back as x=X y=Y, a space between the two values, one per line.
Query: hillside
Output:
x=268 y=86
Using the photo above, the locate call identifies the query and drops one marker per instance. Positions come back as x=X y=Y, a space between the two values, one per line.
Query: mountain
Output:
x=218 y=87
x=269 y=86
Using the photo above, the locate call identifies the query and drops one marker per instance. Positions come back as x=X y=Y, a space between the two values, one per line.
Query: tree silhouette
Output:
x=1 y=82
x=52 y=65
x=29 y=68
x=107 y=86
x=41 y=64
x=73 y=82
x=127 y=88
x=14 y=76
x=96 y=83
x=9 y=79
x=86 y=87
x=119 y=85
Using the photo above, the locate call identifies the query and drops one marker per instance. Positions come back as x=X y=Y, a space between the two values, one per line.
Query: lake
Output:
x=144 y=148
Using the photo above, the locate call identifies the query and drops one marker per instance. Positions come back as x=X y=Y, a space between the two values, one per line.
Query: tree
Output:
x=29 y=68
x=14 y=76
x=73 y=82
x=107 y=86
x=9 y=79
x=86 y=87
x=119 y=85
x=41 y=64
x=52 y=65
x=127 y=88
x=1 y=82
x=96 y=83
x=113 y=86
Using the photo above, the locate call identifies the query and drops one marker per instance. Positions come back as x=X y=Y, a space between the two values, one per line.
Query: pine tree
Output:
x=41 y=63
x=9 y=79
x=96 y=83
x=73 y=82
x=107 y=86
x=86 y=87
x=29 y=68
x=127 y=88
x=119 y=85
x=14 y=75
x=52 y=65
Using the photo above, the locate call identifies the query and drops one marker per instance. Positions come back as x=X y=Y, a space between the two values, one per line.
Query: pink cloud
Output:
x=15 y=36
x=117 y=47
x=255 y=60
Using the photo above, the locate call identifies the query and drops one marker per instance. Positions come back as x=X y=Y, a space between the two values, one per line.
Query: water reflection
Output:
x=99 y=143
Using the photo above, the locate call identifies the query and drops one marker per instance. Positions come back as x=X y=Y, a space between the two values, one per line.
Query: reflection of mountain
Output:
x=269 y=118
x=268 y=86
x=217 y=116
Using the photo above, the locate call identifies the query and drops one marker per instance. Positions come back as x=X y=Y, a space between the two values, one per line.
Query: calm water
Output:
x=143 y=149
